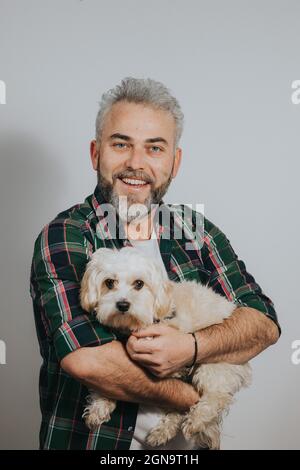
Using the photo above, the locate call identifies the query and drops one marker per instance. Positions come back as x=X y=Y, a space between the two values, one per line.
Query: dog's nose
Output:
x=123 y=305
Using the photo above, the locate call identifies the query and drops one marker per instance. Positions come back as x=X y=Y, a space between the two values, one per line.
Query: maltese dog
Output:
x=127 y=290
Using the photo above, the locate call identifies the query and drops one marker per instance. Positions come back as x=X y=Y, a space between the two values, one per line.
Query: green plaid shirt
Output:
x=61 y=252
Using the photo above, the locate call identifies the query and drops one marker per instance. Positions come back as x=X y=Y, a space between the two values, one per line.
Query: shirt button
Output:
x=130 y=428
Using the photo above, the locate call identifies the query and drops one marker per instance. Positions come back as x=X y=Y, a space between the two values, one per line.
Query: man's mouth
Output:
x=134 y=183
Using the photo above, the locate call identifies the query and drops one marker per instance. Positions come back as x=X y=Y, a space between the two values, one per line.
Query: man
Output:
x=136 y=156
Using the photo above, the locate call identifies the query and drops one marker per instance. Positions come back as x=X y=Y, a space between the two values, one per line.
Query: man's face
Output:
x=136 y=156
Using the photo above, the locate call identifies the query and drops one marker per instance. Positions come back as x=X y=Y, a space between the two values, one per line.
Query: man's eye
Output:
x=138 y=284
x=109 y=283
x=156 y=149
x=119 y=145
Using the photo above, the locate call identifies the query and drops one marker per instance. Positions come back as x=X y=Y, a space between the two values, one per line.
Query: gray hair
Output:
x=144 y=91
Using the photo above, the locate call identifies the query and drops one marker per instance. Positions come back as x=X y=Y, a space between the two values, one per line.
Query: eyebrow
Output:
x=151 y=140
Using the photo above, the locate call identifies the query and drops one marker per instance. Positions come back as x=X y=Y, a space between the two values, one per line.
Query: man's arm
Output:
x=253 y=326
x=237 y=340
x=109 y=370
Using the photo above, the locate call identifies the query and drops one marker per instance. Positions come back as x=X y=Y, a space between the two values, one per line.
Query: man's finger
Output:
x=153 y=330
x=143 y=359
x=141 y=345
x=158 y=372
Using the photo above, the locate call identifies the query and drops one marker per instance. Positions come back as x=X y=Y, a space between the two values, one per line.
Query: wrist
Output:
x=192 y=366
x=186 y=396
x=190 y=355
x=191 y=398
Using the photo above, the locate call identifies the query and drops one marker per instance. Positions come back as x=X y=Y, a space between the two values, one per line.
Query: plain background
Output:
x=231 y=65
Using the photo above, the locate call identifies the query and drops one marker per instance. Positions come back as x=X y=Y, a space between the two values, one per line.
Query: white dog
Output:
x=127 y=291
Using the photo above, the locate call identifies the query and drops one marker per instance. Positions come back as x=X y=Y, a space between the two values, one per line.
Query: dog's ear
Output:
x=92 y=279
x=163 y=302
x=91 y=286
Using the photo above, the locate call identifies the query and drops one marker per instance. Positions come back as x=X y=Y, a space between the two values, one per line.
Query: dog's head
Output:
x=126 y=289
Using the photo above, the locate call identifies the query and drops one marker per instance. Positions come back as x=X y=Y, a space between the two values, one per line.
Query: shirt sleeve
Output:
x=229 y=275
x=59 y=260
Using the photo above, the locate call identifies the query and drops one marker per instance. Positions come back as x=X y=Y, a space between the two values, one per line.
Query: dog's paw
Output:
x=201 y=435
x=93 y=421
x=193 y=426
x=98 y=412
x=166 y=429
x=189 y=429
x=158 y=436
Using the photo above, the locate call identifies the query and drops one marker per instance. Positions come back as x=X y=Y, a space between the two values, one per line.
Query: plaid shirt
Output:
x=61 y=252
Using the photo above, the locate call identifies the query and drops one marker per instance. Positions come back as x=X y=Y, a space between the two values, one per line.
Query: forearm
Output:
x=238 y=339
x=109 y=370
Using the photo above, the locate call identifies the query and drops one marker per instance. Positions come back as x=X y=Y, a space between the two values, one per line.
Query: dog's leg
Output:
x=98 y=410
x=202 y=424
x=166 y=429
x=217 y=384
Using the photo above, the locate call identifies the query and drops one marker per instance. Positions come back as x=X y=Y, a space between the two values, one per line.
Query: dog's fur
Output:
x=196 y=307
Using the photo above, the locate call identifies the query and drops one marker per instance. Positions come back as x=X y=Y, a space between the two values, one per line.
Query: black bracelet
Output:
x=195 y=355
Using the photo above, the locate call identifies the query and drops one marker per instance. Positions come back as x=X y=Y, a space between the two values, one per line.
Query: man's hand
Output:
x=165 y=352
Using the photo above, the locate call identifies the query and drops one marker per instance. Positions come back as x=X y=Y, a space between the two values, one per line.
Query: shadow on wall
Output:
x=30 y=185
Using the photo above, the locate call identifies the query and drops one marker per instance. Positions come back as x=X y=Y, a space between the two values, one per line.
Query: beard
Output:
x=127 y=207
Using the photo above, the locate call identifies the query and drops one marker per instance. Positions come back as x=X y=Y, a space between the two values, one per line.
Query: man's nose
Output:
x=123 y=305
x=136 y=159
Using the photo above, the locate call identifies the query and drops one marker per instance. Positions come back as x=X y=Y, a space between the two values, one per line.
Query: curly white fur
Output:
x=197 y=307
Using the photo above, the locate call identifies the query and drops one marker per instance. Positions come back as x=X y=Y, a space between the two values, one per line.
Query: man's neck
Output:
x=142 y=229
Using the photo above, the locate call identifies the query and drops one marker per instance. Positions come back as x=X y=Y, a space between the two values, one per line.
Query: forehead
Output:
x=139 y=121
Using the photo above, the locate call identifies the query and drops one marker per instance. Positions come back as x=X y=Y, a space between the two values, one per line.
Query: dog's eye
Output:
x=138 y=284
x=109 y=283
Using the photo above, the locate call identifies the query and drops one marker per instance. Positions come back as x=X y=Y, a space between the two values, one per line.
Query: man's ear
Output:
x=177 y=161
x=94 y=153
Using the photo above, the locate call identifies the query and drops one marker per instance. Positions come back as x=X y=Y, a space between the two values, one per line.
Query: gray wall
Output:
x=231 y=64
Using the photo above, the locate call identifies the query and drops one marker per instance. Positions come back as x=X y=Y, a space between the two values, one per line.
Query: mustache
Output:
x=136 y=175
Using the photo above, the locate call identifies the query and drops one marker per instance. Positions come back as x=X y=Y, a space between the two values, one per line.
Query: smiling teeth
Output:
x=130 y=181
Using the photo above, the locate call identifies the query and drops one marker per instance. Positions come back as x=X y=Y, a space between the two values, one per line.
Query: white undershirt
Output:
x=149 y=416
